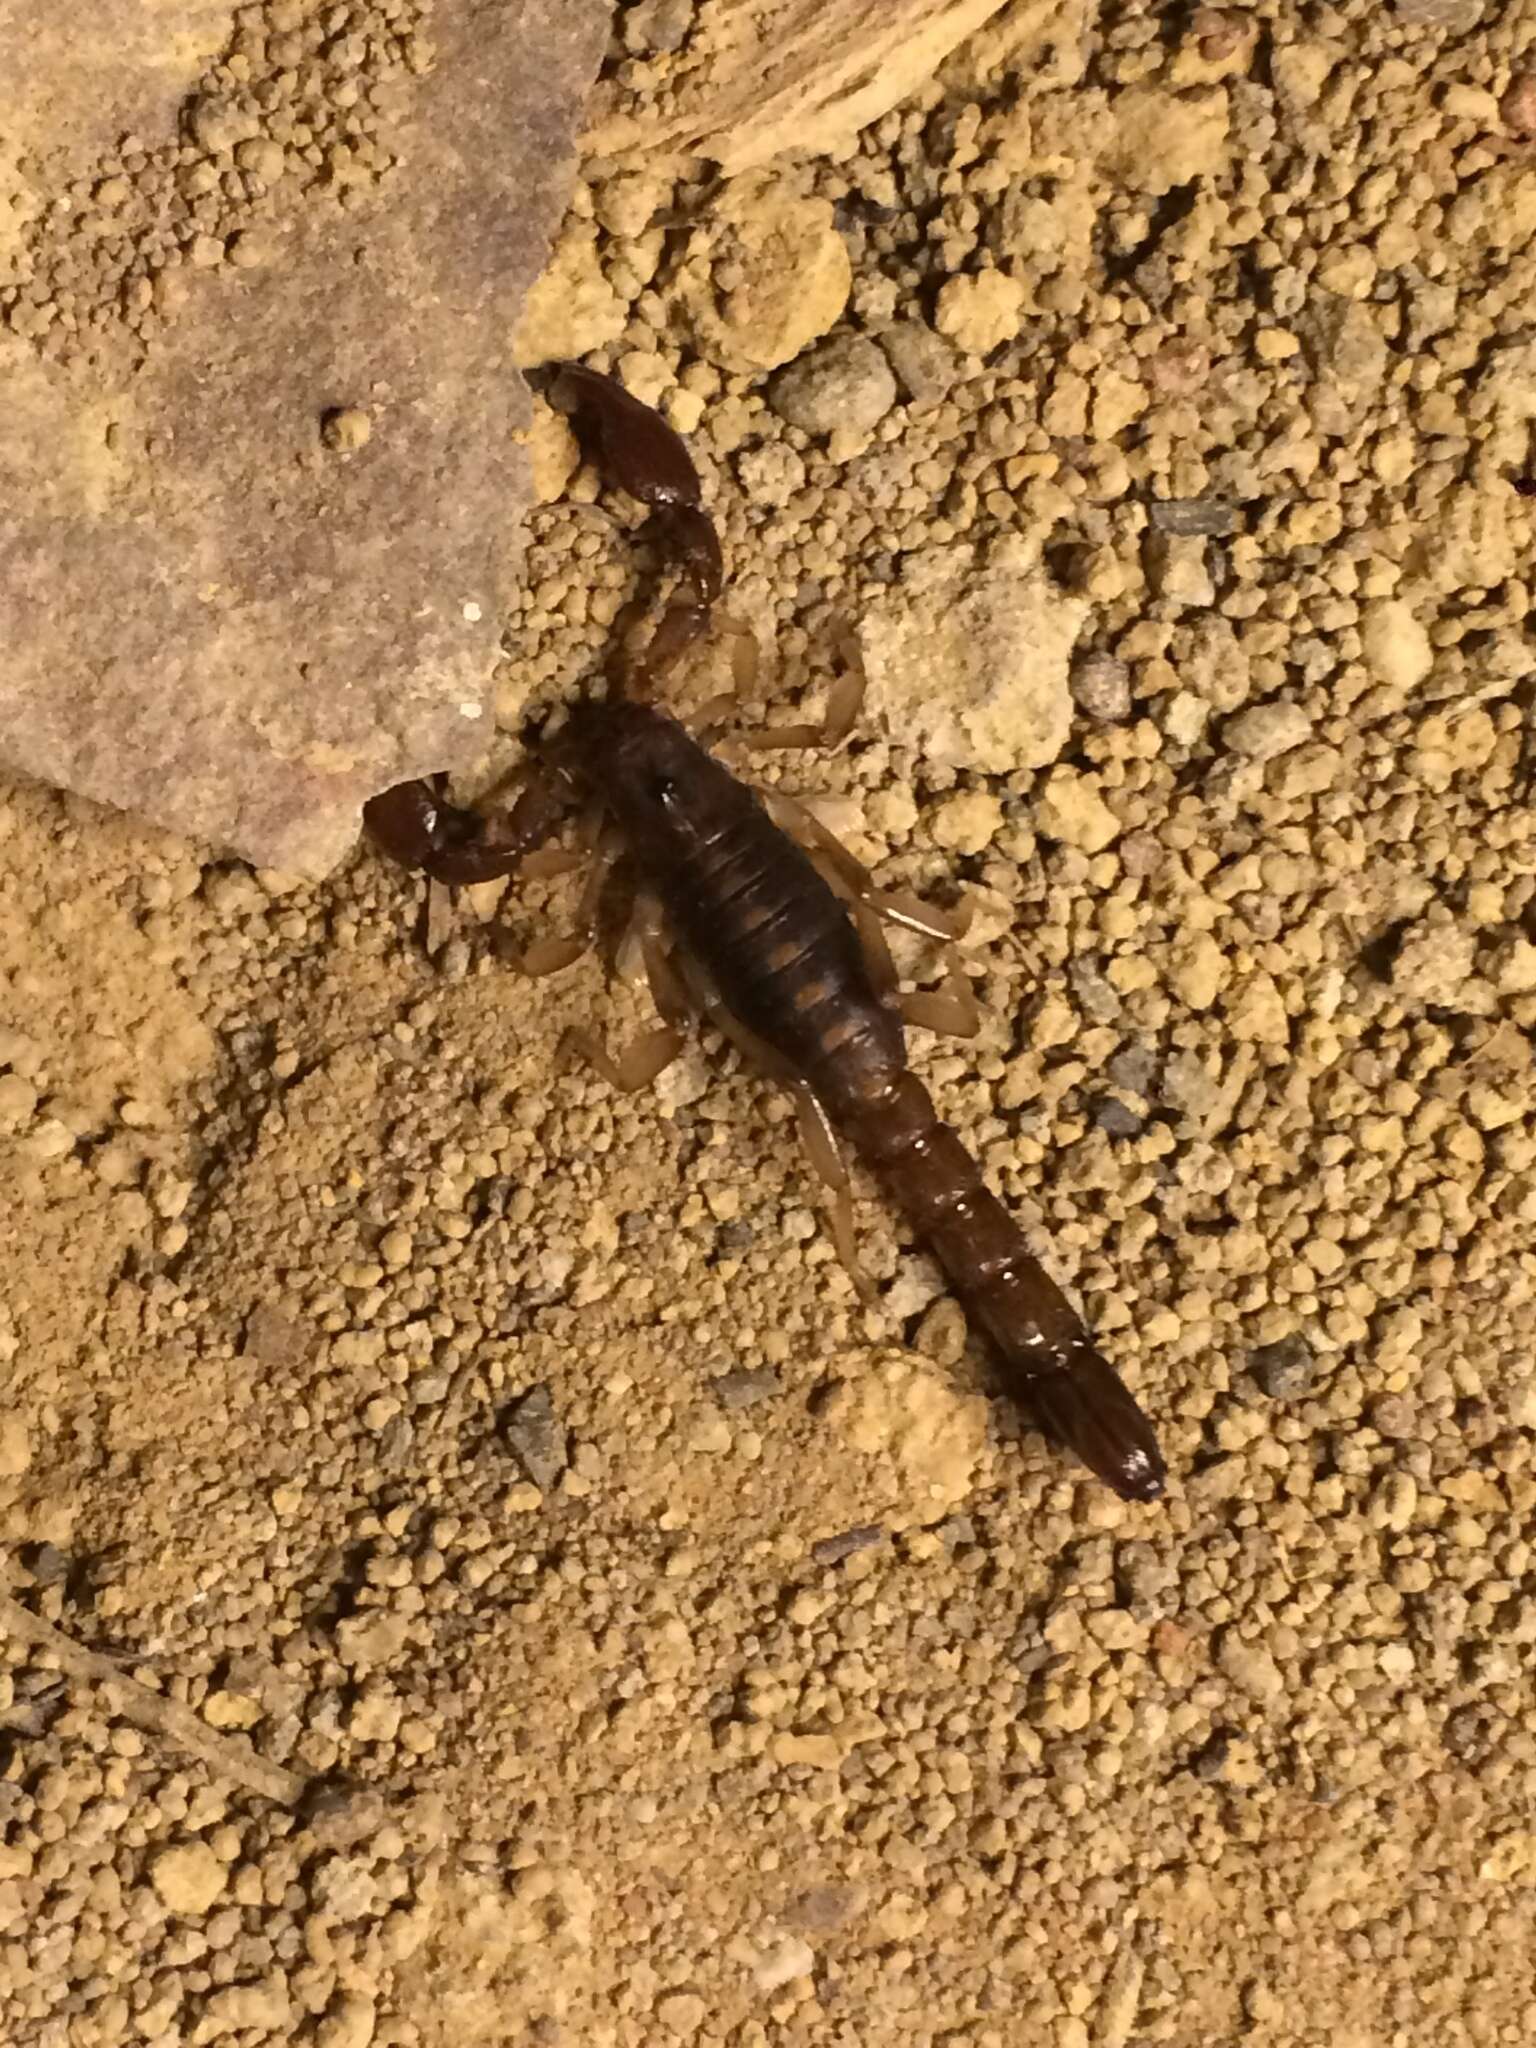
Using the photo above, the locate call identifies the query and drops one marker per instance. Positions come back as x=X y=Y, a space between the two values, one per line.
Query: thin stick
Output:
x=225 y=1755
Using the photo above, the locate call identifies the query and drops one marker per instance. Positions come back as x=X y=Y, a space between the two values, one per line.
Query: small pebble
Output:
x=833 y=1549
x=1267 y=730
x=1206 y=516
x=745 y=1387
x=1284 y=1369
x=536 y=1439
x=188 y=1879
x=346 y=429
x=1101 y=687
x=843 y=382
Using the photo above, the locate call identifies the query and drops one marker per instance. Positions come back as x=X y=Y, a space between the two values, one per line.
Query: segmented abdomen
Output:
x=782 y=952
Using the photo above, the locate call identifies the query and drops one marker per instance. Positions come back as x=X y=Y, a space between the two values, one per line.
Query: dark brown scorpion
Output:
x=778 y=944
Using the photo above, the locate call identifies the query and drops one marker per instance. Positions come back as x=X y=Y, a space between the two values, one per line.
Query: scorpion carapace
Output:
x=776 y=943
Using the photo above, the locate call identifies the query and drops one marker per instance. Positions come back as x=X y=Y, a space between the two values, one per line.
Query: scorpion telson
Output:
x=750 y=915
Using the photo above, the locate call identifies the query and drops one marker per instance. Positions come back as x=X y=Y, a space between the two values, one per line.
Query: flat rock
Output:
x=760 y=79
x=86 y=77
x=218 y=610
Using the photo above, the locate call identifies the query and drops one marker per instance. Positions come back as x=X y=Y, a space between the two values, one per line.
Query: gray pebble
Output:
x=536 y=1439
x=1134 y=1067
x=339 y=1817
x=843 y=382
x=657 y=25
x=1267 y=730
x=47 y=1564
x=1143 y=1579
x=1284 y=1369
x=1116 y=1118
x=745 y=1388
x=1207 y=516
x=925 y=365
x=823 y=1909
x=395 y=1443
x=1095 y=997
x=833 y=1549
x=1101 y=688
x=1140 y=854
x=1209 y=1762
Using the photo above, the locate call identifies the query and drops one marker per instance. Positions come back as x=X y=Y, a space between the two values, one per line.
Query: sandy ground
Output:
x=605 y=1630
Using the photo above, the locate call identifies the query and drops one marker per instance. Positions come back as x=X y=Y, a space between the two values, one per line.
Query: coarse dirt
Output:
x=604 y=1629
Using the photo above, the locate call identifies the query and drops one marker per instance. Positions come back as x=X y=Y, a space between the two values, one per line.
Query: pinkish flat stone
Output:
x=212 y=617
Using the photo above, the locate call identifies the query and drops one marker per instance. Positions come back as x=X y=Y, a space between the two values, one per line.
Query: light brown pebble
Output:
x=681 y=2012
x=188 y=1879
x=346 y=429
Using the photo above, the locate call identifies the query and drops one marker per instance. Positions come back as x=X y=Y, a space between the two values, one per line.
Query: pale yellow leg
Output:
x=826 y=1158
x=640 y=1063
x=837 y=721
x=952 y=1009
x=895 y=906
x=551 y=955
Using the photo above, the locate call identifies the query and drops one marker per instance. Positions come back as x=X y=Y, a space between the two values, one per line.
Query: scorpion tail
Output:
x=1051 y=1363
x=1090 y=1409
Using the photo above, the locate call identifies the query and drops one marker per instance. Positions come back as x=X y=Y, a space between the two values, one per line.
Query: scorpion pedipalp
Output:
x=636 y=449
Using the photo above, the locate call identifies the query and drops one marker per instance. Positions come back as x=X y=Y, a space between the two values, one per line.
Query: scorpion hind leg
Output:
x=647 y=1057
x=952 y=1010
x=826 y=1158
x=853 y=881
x=641 y=1062
x=817 y=1136
x=553 y=955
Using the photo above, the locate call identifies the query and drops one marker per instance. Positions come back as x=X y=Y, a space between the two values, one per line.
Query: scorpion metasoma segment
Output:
x=777 y=940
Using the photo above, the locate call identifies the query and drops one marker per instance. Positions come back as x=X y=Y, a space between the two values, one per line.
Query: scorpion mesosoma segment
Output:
x=778 y=944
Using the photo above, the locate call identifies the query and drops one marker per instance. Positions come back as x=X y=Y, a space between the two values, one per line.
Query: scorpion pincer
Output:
x=775 y=942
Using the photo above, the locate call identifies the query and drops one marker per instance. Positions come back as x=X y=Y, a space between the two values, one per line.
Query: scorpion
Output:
x=751 y=915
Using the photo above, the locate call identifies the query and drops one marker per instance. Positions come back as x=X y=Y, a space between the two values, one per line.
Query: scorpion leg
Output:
x=853 y=881
x=637 y=1066
x=877 y=953
x=952 y=1009
x=709 y=722
x=647 y=1057
x=552 y=955
x=843 y=701
x=819 y=1141
x=817 y=1136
